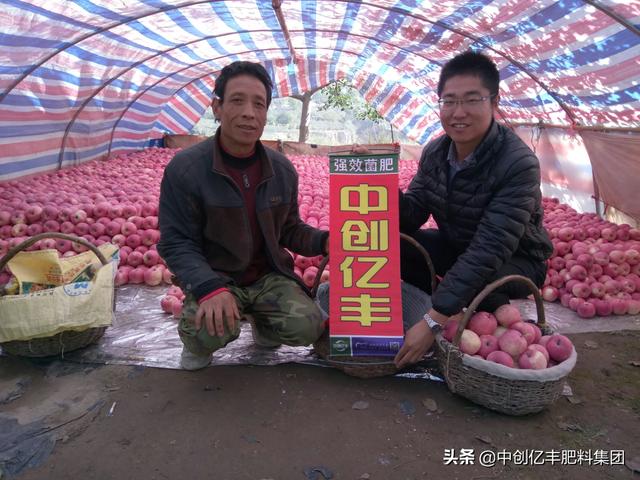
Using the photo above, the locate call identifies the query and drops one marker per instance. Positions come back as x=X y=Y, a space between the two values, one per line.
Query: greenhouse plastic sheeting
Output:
x=82 y=79
x=143 y=335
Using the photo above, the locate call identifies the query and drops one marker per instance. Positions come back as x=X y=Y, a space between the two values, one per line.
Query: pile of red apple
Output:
x=102 y=202
x=172 y=301
x=595 y=266
x=503 y=337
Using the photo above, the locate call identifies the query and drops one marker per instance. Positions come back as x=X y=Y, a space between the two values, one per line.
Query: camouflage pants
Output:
x=282 y=312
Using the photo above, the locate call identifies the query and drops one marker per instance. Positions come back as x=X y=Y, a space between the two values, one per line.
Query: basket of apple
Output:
x=501 y=361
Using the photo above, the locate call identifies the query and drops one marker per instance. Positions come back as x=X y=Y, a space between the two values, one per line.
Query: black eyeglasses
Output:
x=467 y=103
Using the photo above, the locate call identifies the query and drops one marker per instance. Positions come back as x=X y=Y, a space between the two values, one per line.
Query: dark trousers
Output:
x=414 y=270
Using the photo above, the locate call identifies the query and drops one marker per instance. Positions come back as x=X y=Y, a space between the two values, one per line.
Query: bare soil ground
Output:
x=303 y=422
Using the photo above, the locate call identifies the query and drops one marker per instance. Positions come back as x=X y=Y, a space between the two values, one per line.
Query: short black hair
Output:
x=471 y=63
x=242 y=68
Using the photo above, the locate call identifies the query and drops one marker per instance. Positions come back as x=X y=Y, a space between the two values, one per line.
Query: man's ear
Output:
x=215 y=106
x=494 y=103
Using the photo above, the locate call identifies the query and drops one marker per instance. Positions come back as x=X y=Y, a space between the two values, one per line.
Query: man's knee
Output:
x=287 y=313
x=301 y=326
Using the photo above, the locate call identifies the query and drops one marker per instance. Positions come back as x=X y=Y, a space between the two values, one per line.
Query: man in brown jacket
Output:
x=228 y=210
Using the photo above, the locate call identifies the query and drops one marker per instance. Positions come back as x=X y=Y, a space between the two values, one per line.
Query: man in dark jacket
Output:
x=481 y=184
x=228 y=209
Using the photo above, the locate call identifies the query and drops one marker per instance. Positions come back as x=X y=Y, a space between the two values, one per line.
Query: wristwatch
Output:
x=433 y=325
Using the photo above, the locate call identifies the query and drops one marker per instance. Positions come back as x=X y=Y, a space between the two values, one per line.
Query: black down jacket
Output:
x=491 y=211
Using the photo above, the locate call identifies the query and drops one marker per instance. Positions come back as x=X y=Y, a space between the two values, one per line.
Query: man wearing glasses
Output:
x=481 y=183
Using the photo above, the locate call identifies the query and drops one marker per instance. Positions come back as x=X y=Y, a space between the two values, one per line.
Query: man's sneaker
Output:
x=258 y=339
x=191 y=361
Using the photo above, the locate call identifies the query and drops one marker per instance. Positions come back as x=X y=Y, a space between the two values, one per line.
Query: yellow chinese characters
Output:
x=365 y=310
x=362 y=235
x=366 y=196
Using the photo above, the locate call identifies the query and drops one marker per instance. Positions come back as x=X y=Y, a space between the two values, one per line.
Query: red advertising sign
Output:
x=365 y=304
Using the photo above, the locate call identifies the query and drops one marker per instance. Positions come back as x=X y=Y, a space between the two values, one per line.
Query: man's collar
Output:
x=452 y=156
x=218 y=162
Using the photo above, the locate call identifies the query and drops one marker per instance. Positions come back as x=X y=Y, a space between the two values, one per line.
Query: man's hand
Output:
x=419 y=338
x=216 y=310
x=360 y=149
x=417 y=341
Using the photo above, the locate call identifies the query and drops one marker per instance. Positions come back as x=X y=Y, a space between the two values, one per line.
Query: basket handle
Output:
x=490 y=288
x=30 y=241
x=427 y=259
x=403 y=236
x=316 y=281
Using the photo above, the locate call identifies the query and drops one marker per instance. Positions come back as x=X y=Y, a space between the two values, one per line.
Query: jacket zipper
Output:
x=291 y=276
x=245 y=215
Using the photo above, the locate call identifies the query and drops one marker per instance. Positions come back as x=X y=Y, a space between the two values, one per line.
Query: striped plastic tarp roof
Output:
x=83 y=79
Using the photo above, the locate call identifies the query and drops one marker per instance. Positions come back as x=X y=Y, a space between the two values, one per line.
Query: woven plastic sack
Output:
x=74 y=306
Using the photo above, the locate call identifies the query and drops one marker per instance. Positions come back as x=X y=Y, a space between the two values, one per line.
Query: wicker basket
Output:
x=363 y=366
x=497 y=387
x=62 y=342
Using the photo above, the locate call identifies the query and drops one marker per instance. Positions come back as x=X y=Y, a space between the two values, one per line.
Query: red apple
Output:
x=81 y=229
x=633 y=307
x=128 y=228
x=167 y=302
x=51 y=226
x=581 y=290
x=597 y=290
x=578 y=272
x=150 y=236
x=550 y=293
x=532 y=359
x=559 y=347
x=63 y=245
x=512 y=342
x=603 y=308
x=469 y=342
x=482 y=323
x=135 y=259
x=501 y=357
x=5 y=218
x=32 y=214
x=175 y=291
x=136 y=275
x=586 y=310
x=151 y=258
x=150 y=223
x=122 y=277
x=488 y=344
x=617 y=256
x=507 y=315
x=153 y=276
x=113 y=228
x=176 y=309
x=527 y=330
x=601 y=258
x=541 y=349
